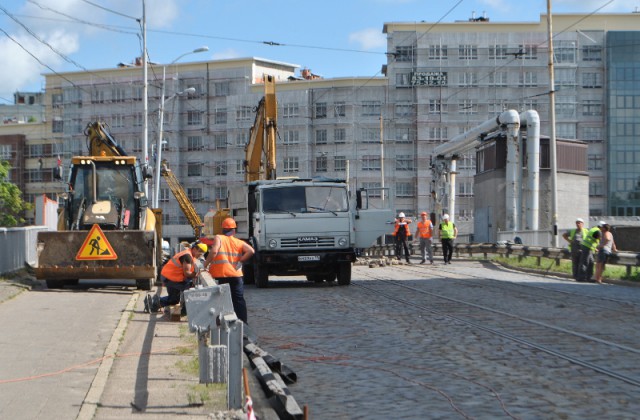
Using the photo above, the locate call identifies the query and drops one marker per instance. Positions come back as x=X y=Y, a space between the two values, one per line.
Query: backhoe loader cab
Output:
x=105 y=191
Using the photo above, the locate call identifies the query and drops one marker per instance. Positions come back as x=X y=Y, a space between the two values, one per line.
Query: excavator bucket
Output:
x=66 y=256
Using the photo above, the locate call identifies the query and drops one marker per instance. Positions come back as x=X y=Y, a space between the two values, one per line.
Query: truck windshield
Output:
x=305 y=199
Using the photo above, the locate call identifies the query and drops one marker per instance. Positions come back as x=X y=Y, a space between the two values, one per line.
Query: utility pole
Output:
x=145 y=102
x=552 y=133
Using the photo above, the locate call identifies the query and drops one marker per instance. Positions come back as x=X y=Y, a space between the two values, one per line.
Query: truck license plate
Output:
x=308 y=257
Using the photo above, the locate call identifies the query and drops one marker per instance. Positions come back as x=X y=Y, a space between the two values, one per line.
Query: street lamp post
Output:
x=156 y=193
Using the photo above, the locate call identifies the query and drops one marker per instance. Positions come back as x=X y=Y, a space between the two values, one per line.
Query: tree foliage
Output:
x=12 y=206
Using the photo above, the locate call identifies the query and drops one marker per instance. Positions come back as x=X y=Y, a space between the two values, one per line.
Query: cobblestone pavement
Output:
x=363 y=355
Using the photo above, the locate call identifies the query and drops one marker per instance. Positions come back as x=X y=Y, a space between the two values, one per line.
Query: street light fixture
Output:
x=189 y=91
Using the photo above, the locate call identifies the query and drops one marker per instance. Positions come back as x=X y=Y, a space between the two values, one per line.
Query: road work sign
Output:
x=96 y=247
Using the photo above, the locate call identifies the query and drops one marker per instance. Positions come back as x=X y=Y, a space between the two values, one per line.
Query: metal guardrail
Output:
x=18 y=246
x=626 y=259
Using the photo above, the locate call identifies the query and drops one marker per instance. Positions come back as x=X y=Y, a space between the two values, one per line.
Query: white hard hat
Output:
x=579 y=219
x=445 y=216
x=401 y=214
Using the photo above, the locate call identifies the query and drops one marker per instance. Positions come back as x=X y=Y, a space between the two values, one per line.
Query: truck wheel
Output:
x=144 y=284
x=316 y=278
x=261 y=276
x=55 y=284
x=344 y=273
x=248 y=276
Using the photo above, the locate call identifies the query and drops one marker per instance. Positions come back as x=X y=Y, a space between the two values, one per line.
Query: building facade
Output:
x=440 y=80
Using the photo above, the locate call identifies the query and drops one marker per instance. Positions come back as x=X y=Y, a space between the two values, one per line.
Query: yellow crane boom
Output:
x=185 y=204
x=260 y=152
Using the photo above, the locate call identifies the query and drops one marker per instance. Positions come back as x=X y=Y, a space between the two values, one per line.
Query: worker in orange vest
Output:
x=224 y=262
x=176 y=275
x=401 y=234
x=424 y=231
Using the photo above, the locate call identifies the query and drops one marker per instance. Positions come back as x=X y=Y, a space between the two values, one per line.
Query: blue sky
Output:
x=332 y=38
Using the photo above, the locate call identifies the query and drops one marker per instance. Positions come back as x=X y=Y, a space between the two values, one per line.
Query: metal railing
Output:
x=18 y=247
x=626 y=259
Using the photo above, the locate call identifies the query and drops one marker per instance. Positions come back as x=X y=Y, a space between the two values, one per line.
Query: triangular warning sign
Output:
x=96 y=247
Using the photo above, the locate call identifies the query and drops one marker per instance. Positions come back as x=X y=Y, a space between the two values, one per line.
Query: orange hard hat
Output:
x=228 y=223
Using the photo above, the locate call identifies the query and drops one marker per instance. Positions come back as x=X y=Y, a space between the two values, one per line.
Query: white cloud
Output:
x=225 y=54
x=368 y=39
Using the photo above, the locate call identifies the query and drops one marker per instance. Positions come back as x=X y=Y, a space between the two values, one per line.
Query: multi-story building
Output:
x=441 y=79
x=454 y=76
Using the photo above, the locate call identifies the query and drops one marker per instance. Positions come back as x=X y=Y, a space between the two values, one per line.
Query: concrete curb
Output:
x=92 y=399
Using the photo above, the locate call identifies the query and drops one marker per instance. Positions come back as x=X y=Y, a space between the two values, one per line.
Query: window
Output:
x=437 y=52
x=591 y=80
x=371 y=108
x=371 y=135
x=565 y=77
x=137 y=119
x=564 y=52
x=290 y=110
x=593 y=108
x=340 y=135
x=528 y=52
x=498 y=52
x=404 y=135
x=465 y=189
x=242 y=138
x=468 y=106
x=194 y=194
x=404 y=54
x=372 y=185
x=405 y=189
x=437 y=106
x=291 y=137
x=243 y=113
x=321 y=110
x=291 y=164
x=321 y=136
x=239 y=166
x=438 y=133
x=6 y=151
x=221 y=168
x=221 y=88
x=497 y=106
x=97 y=97
x=57 y=126
x=596 y=188
x=35 y=150
x=405 y=163
x=339 y=108
x=220 y=140
x=117 y=120
x=591 y=133
x=498 y=78
x=528 y=79
x=340 y=163
x=194 y=117
x=371 y=163
x=566 y=107
x=220 y=116
x=594 y=162
x=404 y=110
x=118 y=94
x=164 y=194
x=592 y=53
x=321 y=164
x=566 y=130
x=33 y=175
x=194 y=143
x=468 y=79
x=220 y=193
x=467 y=52
x=403 y=79
x=194 y=169
x=137 y=93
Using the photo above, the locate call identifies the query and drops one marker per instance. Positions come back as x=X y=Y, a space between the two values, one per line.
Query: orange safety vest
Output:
x=425 y=229
x=224 y=263
x=173 y=269
x=405 y=226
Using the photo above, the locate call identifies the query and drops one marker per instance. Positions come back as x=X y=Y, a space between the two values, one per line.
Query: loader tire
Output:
x=144 y=284
x=344 y=273
x=261 y=276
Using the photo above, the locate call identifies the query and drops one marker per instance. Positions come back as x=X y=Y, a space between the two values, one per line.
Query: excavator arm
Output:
x=260 y=152
x=101 y=143
x=185 y=204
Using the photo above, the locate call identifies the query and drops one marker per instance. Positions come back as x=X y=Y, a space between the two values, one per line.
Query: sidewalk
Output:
x=155 y=374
